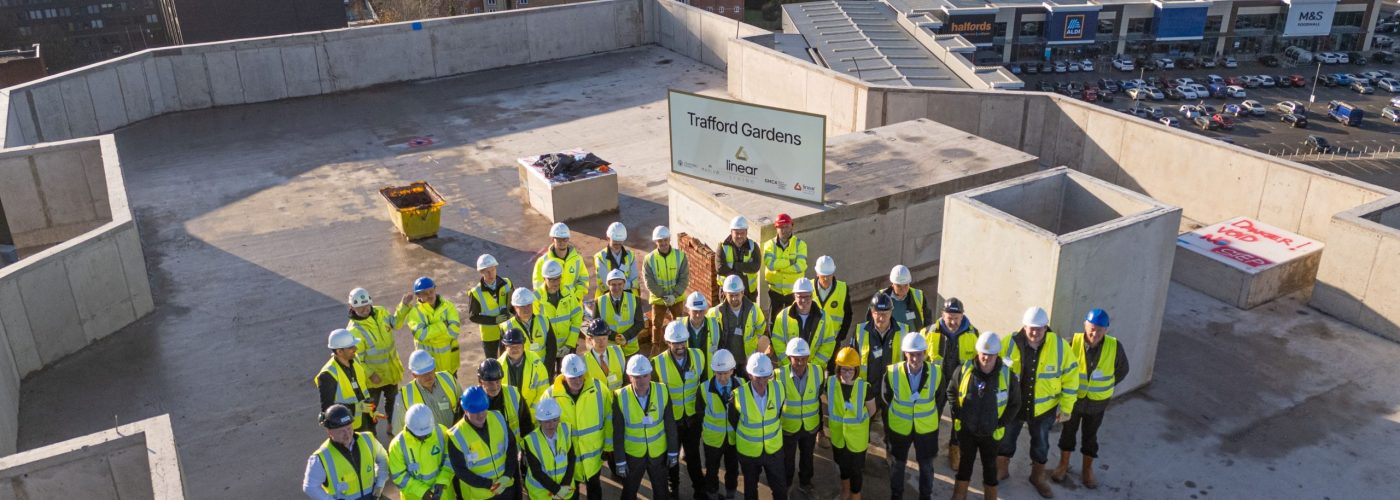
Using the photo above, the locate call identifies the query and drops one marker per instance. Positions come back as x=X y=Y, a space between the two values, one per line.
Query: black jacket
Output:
x=978 y=412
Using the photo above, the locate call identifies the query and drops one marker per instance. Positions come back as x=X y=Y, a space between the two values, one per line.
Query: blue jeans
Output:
x=1040 y=437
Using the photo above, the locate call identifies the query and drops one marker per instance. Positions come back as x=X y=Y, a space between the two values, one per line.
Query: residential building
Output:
x=199 y=21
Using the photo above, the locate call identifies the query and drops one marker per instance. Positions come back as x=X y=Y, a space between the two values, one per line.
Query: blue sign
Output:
x=1185 y=23
x=1071 y=27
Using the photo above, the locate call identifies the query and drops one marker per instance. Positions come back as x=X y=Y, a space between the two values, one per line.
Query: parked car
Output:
x=1294 y=120
x=1389 y=84
x=1254 y=107
x=1090 y=95
x=1229 y=62
x=1186 y=63
x=1108 y=85
x=1395 y=101
x=1061 y=67
x=1383 y=57
x=1297 y=81
x=1207 y=62
x=1207 y=109
x=1139 y=93
x=1232 y=110
x=1015 y=69
x=1224 y=121
x=1269 y=61
x=1329 y=80
x=1189 y=110
x=1201 y=91
x=1372 y=77
x=1266 y=81
x=1074 y=67
x=1290 y=107
x=1105 y=97
x=1252 y=82
x=1327 y=57
x=1045 y=86
x=1356 y=58
x=1234 y=80
x=1235 y=91
x=1150 y=65
x=1205 y=123
x=1166 y=63
x=1123 y=64
x=1346 y=113
x=1341 y=78
x=1342 y=58
x=1086 y=65
x=1361 y=87
x=1391 y=113
x=1317 y=144
x=1140 y=113
x=1155 y=93
x=1170 y=122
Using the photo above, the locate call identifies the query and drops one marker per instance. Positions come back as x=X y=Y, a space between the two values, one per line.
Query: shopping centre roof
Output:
x=864 y=39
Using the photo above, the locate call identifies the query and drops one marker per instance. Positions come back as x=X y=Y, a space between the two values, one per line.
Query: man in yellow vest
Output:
x=682 y=369
x=957 y=339
x=505 y=399
x=605 y=360
x=877 y=340
x=742 y=327
x=418 y=462
x=429 y=387
x=1103 y=364
x=435 y=324
x=349 y=465
x=342 y=380
x=738 y=256
x=575 y=278
x=616 y=256
x=703 y=332
x=802 y=389
x=667 y=275
x=1049 y=375
x=804 y=319
x=758 y=429
x=550 y=459
x=784 y=261
x=642 y=421
x=832 y=298
x=985 y=397
x=527 y=319
x=524 y=370
x=717 y=398
x=910 y=308
x=563 y=318
x=483 y=453
x=911 y=418
x=585 y=407
x=373 y=327
x=849 y=404
x=487 y=304
x=619 y=308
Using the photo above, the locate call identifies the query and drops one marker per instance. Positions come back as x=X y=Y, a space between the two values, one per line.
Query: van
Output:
x=1297 y=55
x=1346 y=113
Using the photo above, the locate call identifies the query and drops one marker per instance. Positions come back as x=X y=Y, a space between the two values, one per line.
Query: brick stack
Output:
x=701 y=261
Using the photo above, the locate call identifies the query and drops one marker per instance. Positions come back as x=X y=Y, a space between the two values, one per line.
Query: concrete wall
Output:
x=1357 y=283
x=53 y=194
x=136 y=461
x=695 y=33
x=754 y=69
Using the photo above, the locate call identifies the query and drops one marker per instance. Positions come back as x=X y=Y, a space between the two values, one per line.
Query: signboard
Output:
x=771 y=150
x=1309 y=18
x=1071 y=27
x=1182 y=23
x=1247 y=244
x=976 y=28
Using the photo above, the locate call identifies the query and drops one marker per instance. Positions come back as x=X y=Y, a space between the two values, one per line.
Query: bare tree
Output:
x=392 y=11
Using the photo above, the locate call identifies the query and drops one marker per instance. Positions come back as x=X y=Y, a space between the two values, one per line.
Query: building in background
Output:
x=78 y=32
x=21 y=65
x=480 y=6
x=199 y=21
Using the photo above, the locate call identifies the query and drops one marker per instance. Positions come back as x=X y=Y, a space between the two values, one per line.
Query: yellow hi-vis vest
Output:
x=752 y=329
x=863 y=340
x=376 y=346
x=554 y=459
x=602 y=264
x=847 y=421
x=619 y=318
x=1097 y=386
x=645 y=432
x=565 y=319
x=759 y=430
x=435 y=330
x=726 y=255
x=417 y=464
x=1057 y=380
x=590 y=417
x=666 y=269
x=913 y=412
x=681 y=386
x=511 y=404
x=823 y=342
x=533 y=378
x=716 y=429
x=485 y=458
x=534 y=330
x=411 y=394
x=343 y=480
x=967 y=340
x=783 y=265
x=834 y=305
x=613 y=379
x=801 y=404
x=1003 y=385
x=574 y=281
x=493 y=304
x=354 y=395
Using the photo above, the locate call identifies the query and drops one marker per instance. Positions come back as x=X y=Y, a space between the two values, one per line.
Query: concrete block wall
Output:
x=137 y=461
x=53 y=194
x=1358 y=283
x=695 y=33
x=753 y=69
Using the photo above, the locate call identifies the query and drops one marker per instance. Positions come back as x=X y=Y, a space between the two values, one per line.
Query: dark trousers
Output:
x=798 y=445
x=713 y=456
x=690 y=444
x=492 y=348
x=925 y=448
x=776 y=303
x=594 y=486
x=654 y=468
x=1091 y=423
x=974 y=446
x=851 y=466
x=1039 y=429
x=770 y=465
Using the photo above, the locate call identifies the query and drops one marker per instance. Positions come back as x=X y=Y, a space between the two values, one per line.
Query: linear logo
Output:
x=741 y=155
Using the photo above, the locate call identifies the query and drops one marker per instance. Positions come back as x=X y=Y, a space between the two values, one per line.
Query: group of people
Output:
x=572 y=382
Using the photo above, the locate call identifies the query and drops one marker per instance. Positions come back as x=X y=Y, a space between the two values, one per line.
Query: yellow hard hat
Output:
x=848 y=357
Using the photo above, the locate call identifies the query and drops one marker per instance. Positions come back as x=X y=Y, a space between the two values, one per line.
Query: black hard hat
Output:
x=490 y=370
x=953 y=305
x=513 y=336
x=597 y=328
x=881 y=302
x=336 y=416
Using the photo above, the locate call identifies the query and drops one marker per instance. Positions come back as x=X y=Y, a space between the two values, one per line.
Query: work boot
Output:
x=954 y=454
x=1003 y=463
x=1061 y=470
x=1037 y=479
x=1088 y=473
x=989 y=492
x=960 y=490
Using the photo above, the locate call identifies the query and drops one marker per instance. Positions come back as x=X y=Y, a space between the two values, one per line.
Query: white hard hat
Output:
x=421 y=363
x=616 y=274
x=1036 y=317
x=914 y=342
x=798 y=347
x=899 y=275
x=739 y=223
x=552 y=269
x=660 y=233
x=573 y=366
x=722 y=361
x=522 y=297
x=988 y=343
x=733 y=284
x=559 y=230
x=617 y=232
x=419 y=420
x=638 y=365
x=340 y=338
x=485 y=261
x=676 y=332
x=802 y=285
x=759 y=365
x=359 y=297
x=826 y=266
x=547 y=409
x=696 y=302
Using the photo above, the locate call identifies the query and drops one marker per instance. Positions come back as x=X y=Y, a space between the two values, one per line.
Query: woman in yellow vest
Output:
x=373 y=327
x=418 y=462
x=331 y=474
x=483 y=455
x=1103 y=364
x=487 y=304
x=849 y=404
x=985 y=397
x=716 y=431
x=549 y=456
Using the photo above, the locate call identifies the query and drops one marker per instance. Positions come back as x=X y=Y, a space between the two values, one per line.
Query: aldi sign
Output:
x=1071 y=27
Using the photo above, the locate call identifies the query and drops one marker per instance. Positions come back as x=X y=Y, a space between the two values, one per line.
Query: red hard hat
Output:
x=783 y=220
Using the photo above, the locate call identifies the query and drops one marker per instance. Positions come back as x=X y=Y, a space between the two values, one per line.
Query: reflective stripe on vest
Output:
x=346 y=393
x=1004 y=381
x=716 y=427
x=411 y=462
x=795 y=251
x=727 y=256
x=912 y=412
x=1098 y=385
x=336 y=464
x=759 y=429
x=834 y=305
x=557 y=463
x=864 y=339
x=493 y=304
x=1048 y=387
x=785 y=328
x=800 y=408
x=413 y=393
x=682 y=388
x=602 y=264
x=666 y=269
x=847 y=419
x=488 y=459
x=379 y=350
x=644 y=439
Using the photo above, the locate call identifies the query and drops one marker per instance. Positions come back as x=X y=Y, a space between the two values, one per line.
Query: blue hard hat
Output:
x=1097 y=317
x=474 y=400
x=423 y=284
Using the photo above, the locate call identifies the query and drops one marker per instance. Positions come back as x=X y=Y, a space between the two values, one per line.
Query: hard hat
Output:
x=783 y=220
x=733 y=284
x=722 y=361
x=474 y=400
x=802 y=285
x=547 y=409
x=485 y=261
x=738 y=223
x=421 y=363
x=848 y=357
x=676 y=332
x=696 y=302
x=340 y=338
x=419 y=420
x=573 y=366
x=1097 y=317
x=617 y=232
x=953 y=305
x=522 y=297
x=881 y=302
x=597 y=328
x=638 y=365
x=759 y=365
x=423 y=284
x=490 y=370
x=513 y=336
x=660 y=233
x=899 y=275
x=1036 y=317
x=552 y=269
x=914 y=342
x=559 y=230
x=798 y=347
x=336 y=416
x=359 y=297
x=988 y=343
x=616 y=275
x=826 y=266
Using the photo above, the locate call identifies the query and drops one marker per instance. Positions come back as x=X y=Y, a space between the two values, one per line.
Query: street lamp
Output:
x=1313 y=96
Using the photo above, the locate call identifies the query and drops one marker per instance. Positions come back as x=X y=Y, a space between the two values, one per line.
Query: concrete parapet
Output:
x=1244 y=262
x=695 y=33
x=1356 y=280
x=136 y=461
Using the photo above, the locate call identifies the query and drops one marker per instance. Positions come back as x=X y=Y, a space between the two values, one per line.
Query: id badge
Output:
x=354 y=384
x=612 y=378
x=646 y=420
x=849 y=406
x=909 y=315
x=739 y=332
x=442 y=405
x=878 y=351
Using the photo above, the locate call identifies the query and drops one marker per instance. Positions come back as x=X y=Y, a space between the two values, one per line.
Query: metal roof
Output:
x=863 y=39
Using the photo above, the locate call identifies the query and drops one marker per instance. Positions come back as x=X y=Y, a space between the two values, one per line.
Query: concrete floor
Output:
x=258 y=219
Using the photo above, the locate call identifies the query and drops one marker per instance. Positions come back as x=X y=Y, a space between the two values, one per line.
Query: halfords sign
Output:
x=1309 y=18
x=976 y=28
x=752 y=147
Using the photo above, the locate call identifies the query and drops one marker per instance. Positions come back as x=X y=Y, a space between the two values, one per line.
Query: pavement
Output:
x=257 y=220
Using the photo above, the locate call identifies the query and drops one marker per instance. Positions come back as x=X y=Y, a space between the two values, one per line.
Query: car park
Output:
x=1170 y=122
x=1361 y=87
x=1086 y=65
x=1389 y=84
x=1294 y=120
x=1287 y=107
x=1391 y=113
x=1205 y=123
x=1254 y=107
x=1229 y=62
x=1317 y=144
x=1224 y=121
x=1234 y=91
